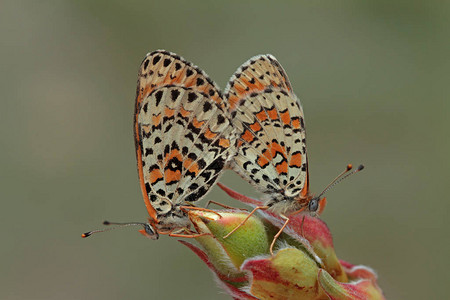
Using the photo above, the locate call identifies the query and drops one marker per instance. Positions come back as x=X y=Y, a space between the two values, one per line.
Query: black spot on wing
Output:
x=174 y=94
x=148 y=151
x=156 y=59
x=207 y=106
x=184 y=150
x=220 y=119
x=167 y=62
x=146 y=64
x=200 y=81
x=148 y=188
x=192 y=97
x=158 y=97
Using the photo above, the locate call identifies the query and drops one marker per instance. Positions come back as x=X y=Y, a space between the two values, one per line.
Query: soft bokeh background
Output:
x=373 y=78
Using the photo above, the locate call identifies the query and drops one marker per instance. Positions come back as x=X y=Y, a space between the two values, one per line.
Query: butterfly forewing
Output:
x=161 y=68
x=256 y=74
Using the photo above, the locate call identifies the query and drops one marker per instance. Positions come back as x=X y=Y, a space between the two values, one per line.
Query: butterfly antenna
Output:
x=147 y=227
x=345 y=174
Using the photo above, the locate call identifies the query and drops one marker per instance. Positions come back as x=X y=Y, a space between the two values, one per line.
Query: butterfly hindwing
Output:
x=271 y=149
x=183 y=134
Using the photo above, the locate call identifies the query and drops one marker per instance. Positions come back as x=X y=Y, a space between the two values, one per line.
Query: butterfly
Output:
x=271 y=148
x=183 y=140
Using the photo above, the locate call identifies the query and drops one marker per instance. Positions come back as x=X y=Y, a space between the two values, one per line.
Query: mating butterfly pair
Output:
x=187 y=132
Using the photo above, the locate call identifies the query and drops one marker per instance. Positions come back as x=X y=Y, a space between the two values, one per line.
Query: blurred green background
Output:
x=373 y=78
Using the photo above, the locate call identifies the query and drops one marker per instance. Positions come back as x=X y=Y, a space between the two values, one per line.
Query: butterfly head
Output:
x=316 y=205
x=149 y=231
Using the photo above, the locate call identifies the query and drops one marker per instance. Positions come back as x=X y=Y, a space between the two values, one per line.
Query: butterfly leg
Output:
x=183 y=233
x=223 y=205
x=188 y=236
x=303 y=219
x=186 y=209
x=278 y=233
x=245 y=220
x=301 y=226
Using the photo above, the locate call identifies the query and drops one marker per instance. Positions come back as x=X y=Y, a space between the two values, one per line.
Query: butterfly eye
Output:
x=313 y=204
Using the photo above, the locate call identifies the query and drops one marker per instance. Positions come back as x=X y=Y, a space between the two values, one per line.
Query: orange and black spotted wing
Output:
x=268 y=117
x=182 y=132
x=257 y=74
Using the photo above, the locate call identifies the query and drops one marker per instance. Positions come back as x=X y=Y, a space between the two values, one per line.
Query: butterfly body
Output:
x=285 y=205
